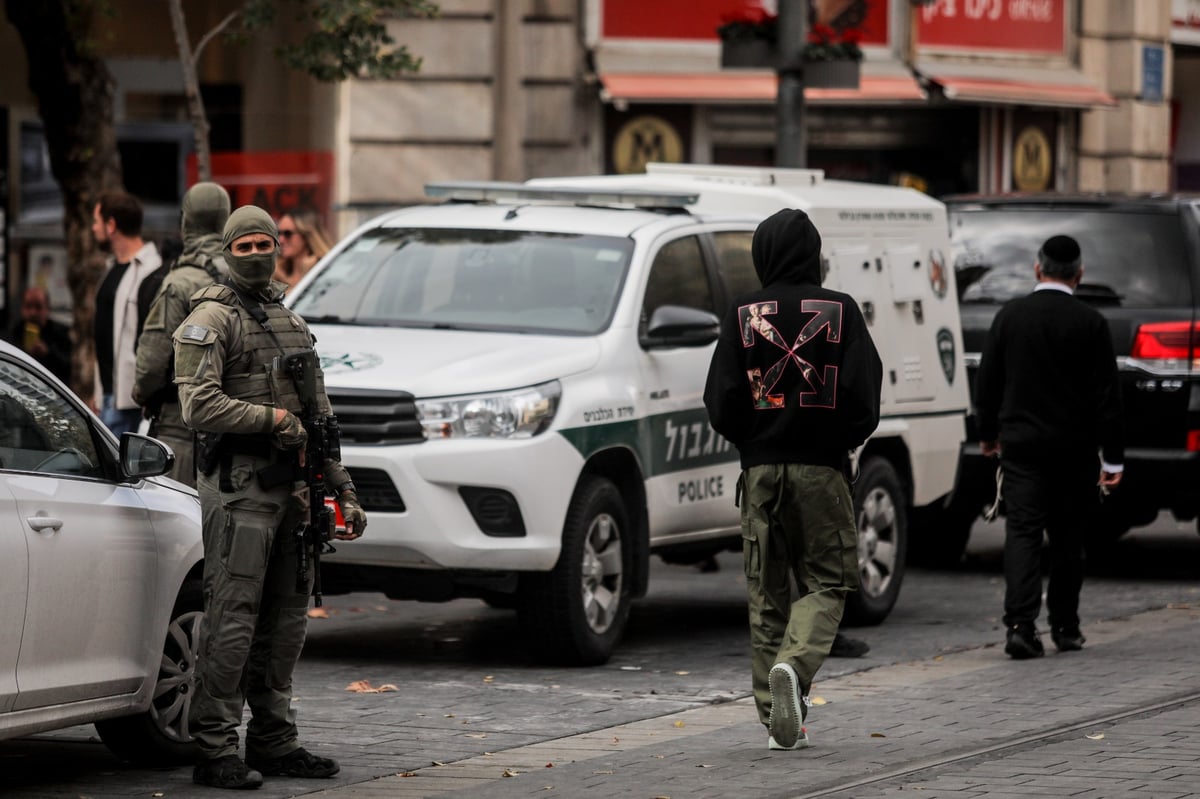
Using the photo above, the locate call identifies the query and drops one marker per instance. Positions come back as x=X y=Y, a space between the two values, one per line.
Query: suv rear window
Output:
x=1130 y=258
x=514 y=281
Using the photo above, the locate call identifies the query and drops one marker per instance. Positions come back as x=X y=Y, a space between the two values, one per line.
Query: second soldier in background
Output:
x=233 y=388
x=205 y=211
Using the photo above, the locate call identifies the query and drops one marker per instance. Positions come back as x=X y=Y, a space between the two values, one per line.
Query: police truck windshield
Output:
x=507 y=281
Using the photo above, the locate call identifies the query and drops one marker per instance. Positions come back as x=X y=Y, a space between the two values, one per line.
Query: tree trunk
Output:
x=75 y=99
x=191 y=87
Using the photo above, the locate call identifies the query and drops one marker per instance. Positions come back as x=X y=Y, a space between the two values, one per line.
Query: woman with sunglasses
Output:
x=302 y=242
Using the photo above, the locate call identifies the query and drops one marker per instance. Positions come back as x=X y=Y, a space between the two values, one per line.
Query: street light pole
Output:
x=791 y=136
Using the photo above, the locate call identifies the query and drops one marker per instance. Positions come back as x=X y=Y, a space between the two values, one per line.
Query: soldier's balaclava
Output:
x=250 y=272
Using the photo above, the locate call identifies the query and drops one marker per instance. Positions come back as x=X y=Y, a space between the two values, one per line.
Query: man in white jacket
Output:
x=117 y=226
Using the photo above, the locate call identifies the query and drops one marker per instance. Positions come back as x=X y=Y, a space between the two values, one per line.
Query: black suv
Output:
x=1141 y=258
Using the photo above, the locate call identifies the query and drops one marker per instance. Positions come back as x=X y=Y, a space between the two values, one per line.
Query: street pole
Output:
x=791 y=136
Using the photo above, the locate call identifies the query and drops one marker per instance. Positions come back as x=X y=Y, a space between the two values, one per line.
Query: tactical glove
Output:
x=289 y=433
x=356 y=517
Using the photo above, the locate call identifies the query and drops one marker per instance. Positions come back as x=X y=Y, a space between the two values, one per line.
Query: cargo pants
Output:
x=254 y=616
x=797 y=522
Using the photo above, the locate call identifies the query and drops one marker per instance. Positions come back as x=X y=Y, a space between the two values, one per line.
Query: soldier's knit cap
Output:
x=249 y=219
x=1060 y=256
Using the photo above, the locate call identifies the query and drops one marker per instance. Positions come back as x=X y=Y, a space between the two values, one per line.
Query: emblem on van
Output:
x=937 y=273
x=349 y=362
x=945 y=345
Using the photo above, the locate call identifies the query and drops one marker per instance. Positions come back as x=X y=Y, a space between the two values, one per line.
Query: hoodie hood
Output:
x=787 y=249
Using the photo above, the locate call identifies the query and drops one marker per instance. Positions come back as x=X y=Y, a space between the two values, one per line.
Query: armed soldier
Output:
x=236 y=356
x=205 y=211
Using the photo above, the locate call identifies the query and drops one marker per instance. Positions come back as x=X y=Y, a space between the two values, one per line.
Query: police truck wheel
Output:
x=576 y=613
x=160 y=735
x=879 y=507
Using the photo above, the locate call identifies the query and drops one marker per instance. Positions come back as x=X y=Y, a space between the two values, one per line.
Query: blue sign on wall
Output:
x=1153 y=59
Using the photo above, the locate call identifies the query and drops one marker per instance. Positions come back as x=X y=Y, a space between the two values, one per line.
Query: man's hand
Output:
x=990 y=448
x=1109 y=480
x=289 y=433
x=356 y=517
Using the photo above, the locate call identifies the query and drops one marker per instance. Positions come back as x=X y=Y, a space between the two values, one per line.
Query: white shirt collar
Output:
x=1054 y=285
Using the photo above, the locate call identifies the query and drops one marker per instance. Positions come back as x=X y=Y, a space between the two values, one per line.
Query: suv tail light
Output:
x=1167 y=341
x=1193 y=441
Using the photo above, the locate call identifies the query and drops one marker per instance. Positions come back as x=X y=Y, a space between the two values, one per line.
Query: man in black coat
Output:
x=1049 y=404
x=46 y=340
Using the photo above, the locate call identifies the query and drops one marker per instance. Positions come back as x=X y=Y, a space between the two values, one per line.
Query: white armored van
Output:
x=518 y=371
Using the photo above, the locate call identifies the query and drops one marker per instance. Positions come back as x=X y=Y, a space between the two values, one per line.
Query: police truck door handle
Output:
x=40 y=523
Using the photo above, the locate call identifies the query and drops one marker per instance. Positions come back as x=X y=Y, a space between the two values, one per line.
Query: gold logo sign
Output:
x=644 y=139
x=1031 y=160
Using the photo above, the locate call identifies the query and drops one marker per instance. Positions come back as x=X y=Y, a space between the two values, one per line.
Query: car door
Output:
x=13 y=581
x=692 y=472
x=91 y=549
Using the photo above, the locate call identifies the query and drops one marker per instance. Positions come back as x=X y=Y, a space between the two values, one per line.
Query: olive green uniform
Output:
x=205 y=211
x=226 y=367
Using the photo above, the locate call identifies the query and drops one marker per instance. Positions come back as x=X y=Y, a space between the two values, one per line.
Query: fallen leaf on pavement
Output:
x=489 y=678
x=816 y=700
x=365 y=687
x=509 y=773
x=549 y=765
x=408 y=774
x=1098 y=736
x=477 y=735
x=438 y=763
x=878 y=735
x=679 y=724
x=318 y=613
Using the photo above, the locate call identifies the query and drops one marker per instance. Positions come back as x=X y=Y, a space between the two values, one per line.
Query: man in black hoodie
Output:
x=794 y=385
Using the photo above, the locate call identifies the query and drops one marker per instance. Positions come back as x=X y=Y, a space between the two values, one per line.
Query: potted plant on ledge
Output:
x=832 y=58
x=748 y=39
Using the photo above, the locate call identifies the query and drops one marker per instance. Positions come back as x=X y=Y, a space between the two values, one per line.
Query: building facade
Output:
x=953 y=96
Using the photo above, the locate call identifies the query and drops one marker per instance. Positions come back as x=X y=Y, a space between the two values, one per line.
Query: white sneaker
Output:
x=786 y=724
x=801 y=742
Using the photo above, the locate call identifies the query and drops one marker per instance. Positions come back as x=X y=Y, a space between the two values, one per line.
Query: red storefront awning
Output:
x=1006 y=91
x=748 y=87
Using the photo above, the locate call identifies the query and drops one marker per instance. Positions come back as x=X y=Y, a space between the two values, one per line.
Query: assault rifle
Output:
x=323 y=442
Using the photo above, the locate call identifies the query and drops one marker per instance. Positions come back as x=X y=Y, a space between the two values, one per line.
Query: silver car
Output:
x=100 y=565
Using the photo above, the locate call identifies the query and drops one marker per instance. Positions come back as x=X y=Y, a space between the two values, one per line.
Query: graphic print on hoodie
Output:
x=795 y=376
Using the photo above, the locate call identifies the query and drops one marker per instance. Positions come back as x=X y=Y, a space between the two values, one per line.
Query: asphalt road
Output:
x=463 y=684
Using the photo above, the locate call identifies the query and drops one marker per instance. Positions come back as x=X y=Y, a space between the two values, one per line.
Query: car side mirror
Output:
x=142 y=456
x=680 y=326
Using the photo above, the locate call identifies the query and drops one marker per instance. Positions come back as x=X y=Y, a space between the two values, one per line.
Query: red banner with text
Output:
x=699 y=19
x=1027 y=26
x=279 y=181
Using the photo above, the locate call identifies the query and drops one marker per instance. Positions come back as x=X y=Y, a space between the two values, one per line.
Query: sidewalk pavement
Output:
x=1119 y=719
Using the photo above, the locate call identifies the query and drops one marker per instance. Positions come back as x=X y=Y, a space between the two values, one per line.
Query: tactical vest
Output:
x=254 y=360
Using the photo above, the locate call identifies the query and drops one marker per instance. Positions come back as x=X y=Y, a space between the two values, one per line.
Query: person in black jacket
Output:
x=46 y=340
x=1048 y=401
x=793 y=384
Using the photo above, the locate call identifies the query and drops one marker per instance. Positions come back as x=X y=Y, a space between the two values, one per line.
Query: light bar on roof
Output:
x=492 y=191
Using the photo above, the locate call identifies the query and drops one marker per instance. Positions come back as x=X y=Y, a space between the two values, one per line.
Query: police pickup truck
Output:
x=518 y=368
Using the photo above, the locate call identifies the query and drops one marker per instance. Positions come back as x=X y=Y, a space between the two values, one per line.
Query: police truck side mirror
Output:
x=680 y=326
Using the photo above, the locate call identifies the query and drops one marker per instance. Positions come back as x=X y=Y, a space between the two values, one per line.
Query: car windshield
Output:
x=513 y=281
x=1129 y=258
